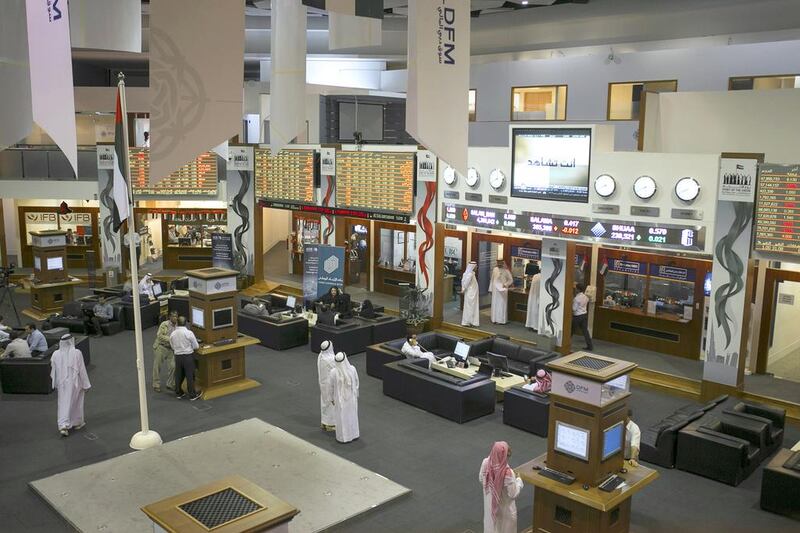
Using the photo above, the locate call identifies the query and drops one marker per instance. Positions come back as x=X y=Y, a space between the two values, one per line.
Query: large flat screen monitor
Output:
x=157 y=289
x=572 y=440
x=291 y=301
x=551 y=163
x=222 y=318
x=612 y=440
x=498 y=362
x=197 y=317
x=55 y=263
x=462 y=350
x=37 y=262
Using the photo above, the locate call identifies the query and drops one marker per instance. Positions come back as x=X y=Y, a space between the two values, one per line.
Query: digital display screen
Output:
x=55 y=263
x=196 y=178
x=291 y=301
x=633 y=233
x=223 y=317
x=572 y=440
x=37 y=262
x=156 y=289
x=289 y=176
x=551 y=163
x=375 y=181
x=707 y=284
x=462 y=350
x=197 y=317
x=612 y=440
x=777 y=221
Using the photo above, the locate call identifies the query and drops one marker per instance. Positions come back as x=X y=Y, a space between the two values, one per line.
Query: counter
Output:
x=186 y=257
x=517 y=304
x=388 y=280
x=664 y=333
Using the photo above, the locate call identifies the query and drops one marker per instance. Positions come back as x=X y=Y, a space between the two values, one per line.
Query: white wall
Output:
x=277 y=226
x=587 y=77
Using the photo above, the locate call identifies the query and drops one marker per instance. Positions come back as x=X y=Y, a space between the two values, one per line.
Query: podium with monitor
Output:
x=51 y=286
x=582 y=483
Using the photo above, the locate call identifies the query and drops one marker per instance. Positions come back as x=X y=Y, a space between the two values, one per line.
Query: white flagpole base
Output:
x=145 y=439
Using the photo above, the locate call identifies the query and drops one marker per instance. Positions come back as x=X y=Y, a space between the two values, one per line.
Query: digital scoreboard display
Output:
x=375 y=181
x=196 y=178
x=777 y=225
x=548 y=225
x=288 y=177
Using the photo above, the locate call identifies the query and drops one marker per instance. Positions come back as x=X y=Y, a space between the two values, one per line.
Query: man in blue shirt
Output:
x=36 y=340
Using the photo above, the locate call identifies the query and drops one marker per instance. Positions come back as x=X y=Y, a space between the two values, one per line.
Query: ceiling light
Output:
x=524 y=2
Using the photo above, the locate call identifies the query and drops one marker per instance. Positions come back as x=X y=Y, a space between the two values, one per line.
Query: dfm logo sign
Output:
x=447 y=34
x=53 y=12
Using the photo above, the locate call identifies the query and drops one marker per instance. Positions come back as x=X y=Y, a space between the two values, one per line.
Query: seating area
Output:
x=276 y=331
x=73 y=317
x=523 y=358
x=32 y=375
x=378 y=355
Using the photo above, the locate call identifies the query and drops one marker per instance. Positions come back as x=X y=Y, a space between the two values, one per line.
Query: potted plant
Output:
x=414 y=305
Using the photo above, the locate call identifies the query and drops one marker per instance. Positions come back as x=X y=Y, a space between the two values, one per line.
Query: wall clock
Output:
x=644 y=187
x=497 y=179
x=604 y=185
x=687 y=189
x=450 y=177
x=473 y=177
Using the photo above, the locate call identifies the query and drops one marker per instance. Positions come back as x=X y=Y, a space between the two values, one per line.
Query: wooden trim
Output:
x=774 y=275
x=258 y=243
x=511 y=102
x=643 y=82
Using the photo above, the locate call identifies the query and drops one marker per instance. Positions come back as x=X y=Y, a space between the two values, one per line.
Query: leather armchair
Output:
x=773 y=416
x=348 y=336
x=526 y=410
x=32 y=375
x=379 y=354
x=73 y=318
x=439 y=393
x=151 y=314
x=385 y=327
x=659 y=442
x=274 y=331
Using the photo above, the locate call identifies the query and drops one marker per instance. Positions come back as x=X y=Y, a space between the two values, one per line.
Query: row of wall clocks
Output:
x=686 y=189
x=497 y=178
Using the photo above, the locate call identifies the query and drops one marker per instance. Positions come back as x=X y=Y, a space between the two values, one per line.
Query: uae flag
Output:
x=120 y=187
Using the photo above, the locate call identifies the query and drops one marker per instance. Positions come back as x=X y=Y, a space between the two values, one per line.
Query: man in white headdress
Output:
x=325 y=364
x=470 y=315
x=498 y=286
x=412 y=349
x=532 y=316
x=343 y=394
x=68 y=374
x=146 y=286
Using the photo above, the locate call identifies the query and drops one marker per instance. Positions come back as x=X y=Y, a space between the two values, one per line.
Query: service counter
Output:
x=517 y=304
x=177 y=257
x=396 y=252
x=81 y=225
x=389 y=280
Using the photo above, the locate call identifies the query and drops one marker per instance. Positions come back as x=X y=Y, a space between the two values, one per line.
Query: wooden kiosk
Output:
x=212 y=306
x=586 y=441
x=51 y=287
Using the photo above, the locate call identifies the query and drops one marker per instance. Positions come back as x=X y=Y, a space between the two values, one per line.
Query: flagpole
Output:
x=146 y=438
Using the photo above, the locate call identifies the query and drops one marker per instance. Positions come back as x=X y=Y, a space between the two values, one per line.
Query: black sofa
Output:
x=438 y=393
x=527 y=410
x=523 y=358
x=773 y=416
x=385 y=327
x=275 y=331
x=73 y=318
x=387 y=352
x=151 y=314
x=277 y=302
x=179 y=304
x=350 y=336
x=31 y=375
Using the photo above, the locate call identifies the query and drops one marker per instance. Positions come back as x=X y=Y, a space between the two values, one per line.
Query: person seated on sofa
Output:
x=326 y=315
x=4 y=330
x=36 y=341
x=336 y=299
x=367 y=310
x=633 y=437
x=256 y=308
x=412 y=349
x=17 y=348
x=541 y=382
x=101 y=313
x=146 y=286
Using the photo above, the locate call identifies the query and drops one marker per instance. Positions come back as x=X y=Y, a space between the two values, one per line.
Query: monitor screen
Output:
x=197 y=317
x=37 y=262
x=499 y=362
x=707 y=284
x=462 y=350
x=612 y=440
x=223 y=318
x=618 y=383
x=572 y=440
x=551 y=163
x=156 y=289
x=55 y=263
x=291 y=301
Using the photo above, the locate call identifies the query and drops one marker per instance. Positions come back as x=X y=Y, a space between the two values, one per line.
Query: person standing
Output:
x=633 y=439
x=413 y=350
x=471 y=313
x=162 y=352
x=532 y=316
x=36 y=341
x=500 y=490
x=580 y=314
x=325 y=364
x=498 y=286
x=183 y=344
x=343 y=395
x=69 y=378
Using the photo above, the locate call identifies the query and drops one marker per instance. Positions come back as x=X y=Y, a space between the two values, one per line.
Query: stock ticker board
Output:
x=289 y=177
x=632 y=233
x=196 y=178
x=777 y=227
x=375 y=181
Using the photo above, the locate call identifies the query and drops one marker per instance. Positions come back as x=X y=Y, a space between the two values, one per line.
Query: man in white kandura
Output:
x=412 y=349
x=146 y=286
x=325 y=364
x=68 y=374
x=498 y=286
x=501 y=487
x=471 y=314
x=343 y=394
x=532 y=316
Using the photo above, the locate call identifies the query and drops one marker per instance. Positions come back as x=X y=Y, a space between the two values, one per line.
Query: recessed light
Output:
x=524 y=2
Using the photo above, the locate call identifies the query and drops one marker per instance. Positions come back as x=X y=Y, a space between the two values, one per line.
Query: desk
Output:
x=266 y=511
x=502 y=384
x=589 y=511
x=517 y=305
x=48 y=298
x=222 y=368
x=177 y=257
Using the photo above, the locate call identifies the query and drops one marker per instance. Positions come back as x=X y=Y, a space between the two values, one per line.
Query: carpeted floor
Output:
x=437 y=459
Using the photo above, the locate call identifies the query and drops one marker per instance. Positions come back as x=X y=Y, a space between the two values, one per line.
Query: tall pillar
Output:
x=731 y=279
x=241 y=199
x=425 y=213
x=328 y=195
x=110 y=241
x=555 y=295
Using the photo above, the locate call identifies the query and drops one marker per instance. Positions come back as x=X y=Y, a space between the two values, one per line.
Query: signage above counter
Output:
x=629 y=233
x=336 y=211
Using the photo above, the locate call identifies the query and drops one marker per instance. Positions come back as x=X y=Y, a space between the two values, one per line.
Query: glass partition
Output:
x=625 y=283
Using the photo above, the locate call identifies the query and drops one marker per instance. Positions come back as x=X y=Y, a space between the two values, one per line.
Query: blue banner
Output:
x=310 y=271
x=330 y=268
x=672 y=272
x=627 y=267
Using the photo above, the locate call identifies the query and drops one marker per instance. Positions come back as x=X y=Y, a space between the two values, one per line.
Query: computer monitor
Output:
x=198 y=317
x=498 y=362
x=222 y=318
x=462 y=350
x=572 y=440
x=291 y=301
x=55 y=263
x=157 y=289
x=612 y=440
x=37 y=262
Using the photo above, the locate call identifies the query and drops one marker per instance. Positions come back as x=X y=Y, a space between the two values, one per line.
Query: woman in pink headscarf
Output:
x=500 y=488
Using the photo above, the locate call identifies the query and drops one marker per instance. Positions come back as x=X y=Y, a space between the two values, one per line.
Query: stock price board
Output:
x=576 y=228
x=777 y=227
x=375 y=181
x=196 y=178
x=289 y=177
